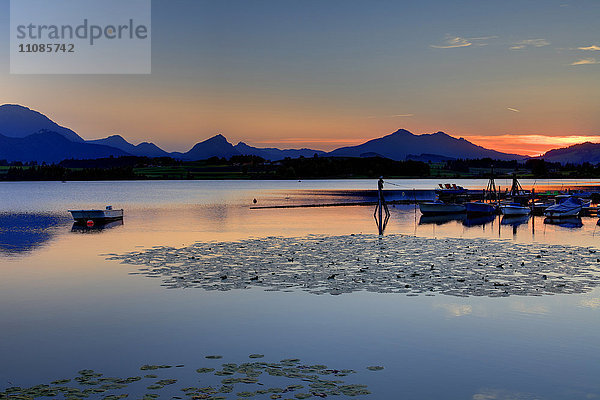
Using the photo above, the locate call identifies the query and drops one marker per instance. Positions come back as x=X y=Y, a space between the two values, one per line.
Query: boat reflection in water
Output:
x=441 y=219
x=571 y=222
x=480 y=220
x=96 y=227
x=514 y=220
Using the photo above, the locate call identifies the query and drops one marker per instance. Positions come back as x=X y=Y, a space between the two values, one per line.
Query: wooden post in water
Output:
x=381 y=208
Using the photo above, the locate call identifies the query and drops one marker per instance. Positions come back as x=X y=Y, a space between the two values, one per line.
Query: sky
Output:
x=520 y=76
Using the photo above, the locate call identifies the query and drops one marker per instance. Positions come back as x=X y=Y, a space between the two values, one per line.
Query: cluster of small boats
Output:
x=561 y=207
x=569 y=207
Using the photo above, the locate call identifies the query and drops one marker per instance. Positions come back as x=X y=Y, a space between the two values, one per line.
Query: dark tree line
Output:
x=59 y=173
x=344 y=167
x=254 y=167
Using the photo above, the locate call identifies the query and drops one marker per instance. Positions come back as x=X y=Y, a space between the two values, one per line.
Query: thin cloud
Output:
x=391 y=116
x=453 y=42
x=523 y=44
x=456 y=310
x=513 y=109
x=529 y=309
x=590 y=303
x=590 y=48
x=586 y=61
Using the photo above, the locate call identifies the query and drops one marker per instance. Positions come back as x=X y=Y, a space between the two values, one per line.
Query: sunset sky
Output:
x=520 y=76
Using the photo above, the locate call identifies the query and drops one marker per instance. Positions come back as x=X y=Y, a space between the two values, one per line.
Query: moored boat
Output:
x=571 y=207
x=514 y=209
x=439 y=207
x=480 y=208
x=539 y=207
x=108 y=214
x=450 y=190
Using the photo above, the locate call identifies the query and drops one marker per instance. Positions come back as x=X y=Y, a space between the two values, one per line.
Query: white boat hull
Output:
x=514 y=210
x=441 y=208
x=96 y=215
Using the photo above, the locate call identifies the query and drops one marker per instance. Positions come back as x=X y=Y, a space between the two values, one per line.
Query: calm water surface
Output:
x=63 y=307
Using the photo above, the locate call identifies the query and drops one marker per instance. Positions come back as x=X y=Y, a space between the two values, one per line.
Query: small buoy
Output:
x=90 y=222
x=254 y=201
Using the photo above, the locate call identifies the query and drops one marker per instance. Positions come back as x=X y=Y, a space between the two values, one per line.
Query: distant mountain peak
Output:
x=219 y=136
x=50 y=146
x=117 y=139
x=143 y=149
x=574 y=154
x=402 y=143
x=19 y=121
x=403 y=132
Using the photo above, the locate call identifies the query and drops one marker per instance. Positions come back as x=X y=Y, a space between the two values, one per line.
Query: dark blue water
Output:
x=64 y=308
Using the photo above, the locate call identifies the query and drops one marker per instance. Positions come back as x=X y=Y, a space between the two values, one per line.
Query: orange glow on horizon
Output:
x=529 y=145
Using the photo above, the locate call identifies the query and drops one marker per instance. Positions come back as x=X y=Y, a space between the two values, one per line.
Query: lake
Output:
x=65 y=306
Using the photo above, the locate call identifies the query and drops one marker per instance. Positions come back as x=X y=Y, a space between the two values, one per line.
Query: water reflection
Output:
x=572 y=222
x=67 y=303
x=25 y=232
x=514 y=220
x=441 y=219
x=96 y=228
x=479 y=221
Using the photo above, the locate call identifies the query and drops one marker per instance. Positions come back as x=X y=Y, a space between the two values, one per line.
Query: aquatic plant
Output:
x=244 y=381
x=391 y=264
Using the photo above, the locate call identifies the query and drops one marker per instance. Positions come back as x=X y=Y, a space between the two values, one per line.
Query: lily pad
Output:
x=400 y=264
x=204 y=370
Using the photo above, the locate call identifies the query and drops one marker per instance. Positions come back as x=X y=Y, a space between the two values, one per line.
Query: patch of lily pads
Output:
x=391 y=264
x=286 y=379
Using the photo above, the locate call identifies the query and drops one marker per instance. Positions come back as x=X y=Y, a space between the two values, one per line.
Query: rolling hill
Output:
x=575 y=154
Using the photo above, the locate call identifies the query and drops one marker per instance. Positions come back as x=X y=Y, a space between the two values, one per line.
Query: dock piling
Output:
x=380 y=208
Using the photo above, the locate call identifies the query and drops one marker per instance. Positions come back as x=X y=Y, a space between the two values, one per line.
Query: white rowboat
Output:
x=108 y=214
x=438 y=207
x=514 y=209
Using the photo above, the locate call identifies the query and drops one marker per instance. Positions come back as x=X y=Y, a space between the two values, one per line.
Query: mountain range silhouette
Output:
x=27 y=135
